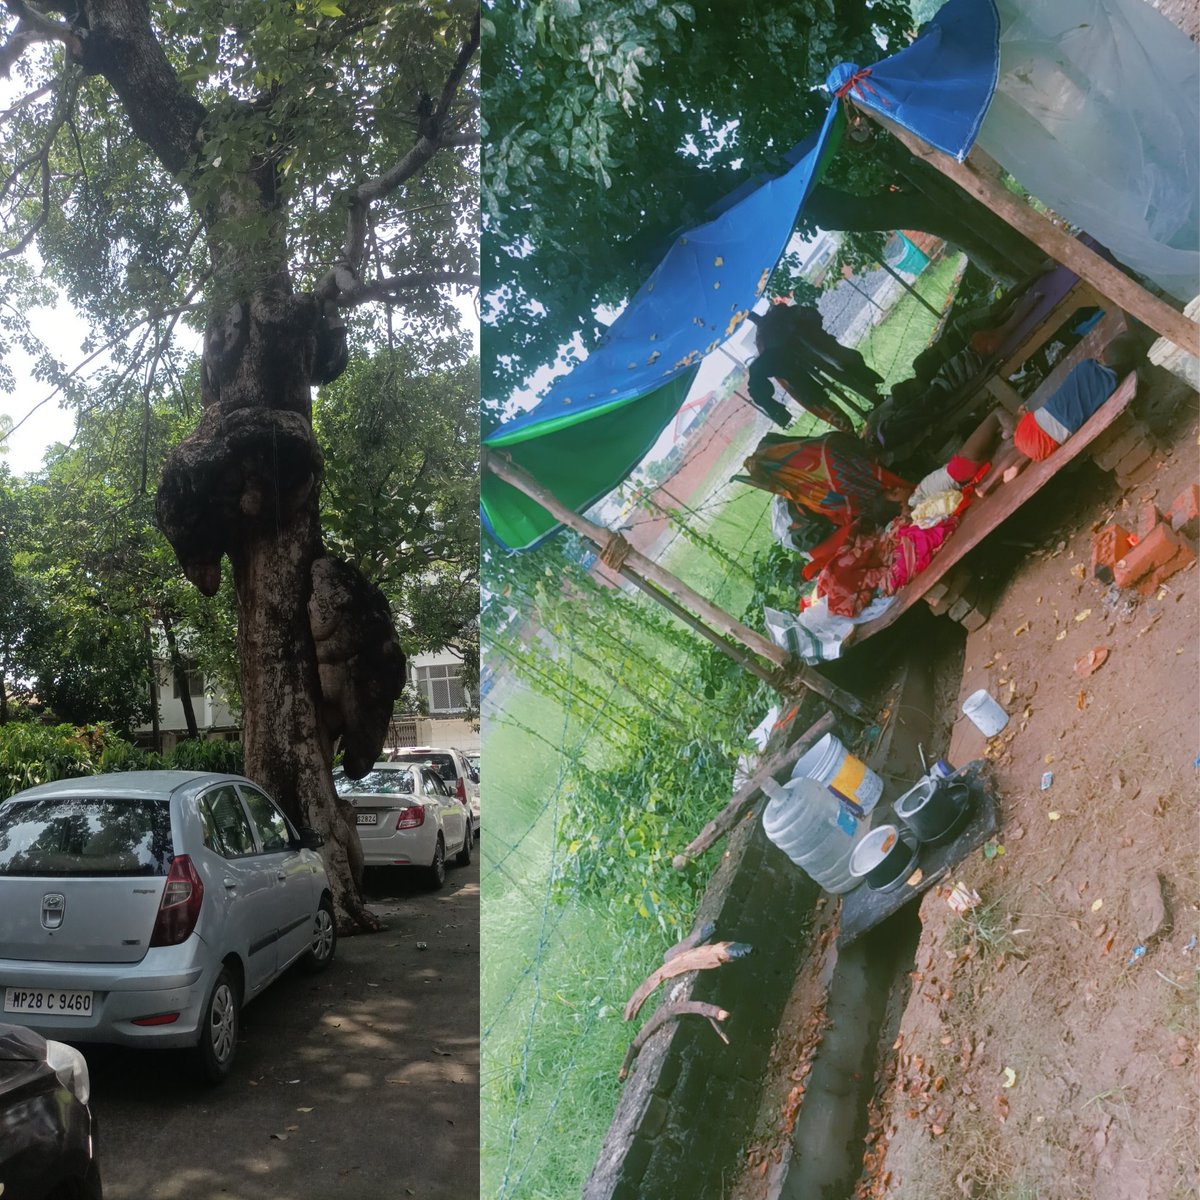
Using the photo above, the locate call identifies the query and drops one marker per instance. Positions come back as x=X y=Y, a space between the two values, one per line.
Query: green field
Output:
x=555 y=976
x=891 y=346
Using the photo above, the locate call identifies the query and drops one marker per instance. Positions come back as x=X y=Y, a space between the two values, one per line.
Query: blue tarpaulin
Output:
x=939 y=87
x=595 y=424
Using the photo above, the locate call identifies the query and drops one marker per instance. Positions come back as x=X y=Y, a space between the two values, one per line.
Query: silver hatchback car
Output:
x=145 y=908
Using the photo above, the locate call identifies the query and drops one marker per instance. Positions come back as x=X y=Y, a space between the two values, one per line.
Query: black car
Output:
x=47 y=1131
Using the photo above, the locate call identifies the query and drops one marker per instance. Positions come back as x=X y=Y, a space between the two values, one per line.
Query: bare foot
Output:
x=988 y=482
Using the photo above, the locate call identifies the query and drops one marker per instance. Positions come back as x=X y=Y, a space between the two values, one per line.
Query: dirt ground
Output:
x=1061 y=1013
x=362 y=1082
x=1046 y=1048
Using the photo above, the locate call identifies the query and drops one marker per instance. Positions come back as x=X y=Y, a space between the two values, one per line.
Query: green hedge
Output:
x=33 y=754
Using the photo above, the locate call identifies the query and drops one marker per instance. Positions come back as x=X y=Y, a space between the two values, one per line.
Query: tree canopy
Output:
x=609 y=126
x=254 y=173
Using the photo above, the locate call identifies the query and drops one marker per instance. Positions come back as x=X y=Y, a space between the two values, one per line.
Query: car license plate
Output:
x=368 y=818
x=48 y=1001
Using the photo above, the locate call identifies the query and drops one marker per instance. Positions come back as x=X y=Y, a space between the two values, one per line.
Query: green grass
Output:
x=891 y=346
x=555 y=976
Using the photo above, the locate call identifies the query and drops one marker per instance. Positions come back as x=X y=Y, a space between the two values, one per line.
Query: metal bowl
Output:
x=935 y=810
x=886 y=857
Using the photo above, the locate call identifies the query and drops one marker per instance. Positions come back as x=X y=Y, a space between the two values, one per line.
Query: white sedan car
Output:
x=408 y=817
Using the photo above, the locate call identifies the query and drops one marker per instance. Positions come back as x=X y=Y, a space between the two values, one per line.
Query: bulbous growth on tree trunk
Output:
x=359 y=661
x=319 y=655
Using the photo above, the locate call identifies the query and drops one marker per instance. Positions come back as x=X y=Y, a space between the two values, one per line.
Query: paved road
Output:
x=369 y=1072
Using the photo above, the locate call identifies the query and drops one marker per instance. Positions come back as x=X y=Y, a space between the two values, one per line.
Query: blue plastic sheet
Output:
x=595 y=424
x=939 y=87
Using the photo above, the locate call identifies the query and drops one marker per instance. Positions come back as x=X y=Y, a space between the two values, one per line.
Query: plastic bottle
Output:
x=814 y=829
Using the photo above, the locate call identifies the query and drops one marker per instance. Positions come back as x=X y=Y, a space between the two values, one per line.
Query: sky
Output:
x=42 y=425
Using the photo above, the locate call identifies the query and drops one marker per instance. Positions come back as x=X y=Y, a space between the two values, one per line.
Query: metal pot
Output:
x=886 y=857
x=935 y=810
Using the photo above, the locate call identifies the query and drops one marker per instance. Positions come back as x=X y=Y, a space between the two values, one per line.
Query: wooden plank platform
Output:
x=863 y=908
x=988 y=512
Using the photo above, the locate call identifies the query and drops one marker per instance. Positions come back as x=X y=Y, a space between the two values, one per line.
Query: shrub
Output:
x=199 y=754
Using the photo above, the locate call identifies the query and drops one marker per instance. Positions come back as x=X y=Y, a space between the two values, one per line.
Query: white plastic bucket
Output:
x=848 y=778
x=986 y=714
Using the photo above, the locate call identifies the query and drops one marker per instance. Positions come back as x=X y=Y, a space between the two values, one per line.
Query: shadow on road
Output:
x=362 y=1082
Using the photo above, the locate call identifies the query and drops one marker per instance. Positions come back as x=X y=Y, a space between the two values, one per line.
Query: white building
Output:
x=436 y=677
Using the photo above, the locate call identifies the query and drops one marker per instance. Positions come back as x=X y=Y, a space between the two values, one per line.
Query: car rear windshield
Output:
x=377 y=783
x=443 y=764
x=85 y=835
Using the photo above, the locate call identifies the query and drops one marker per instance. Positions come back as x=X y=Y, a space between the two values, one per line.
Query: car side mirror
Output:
x=310 y=839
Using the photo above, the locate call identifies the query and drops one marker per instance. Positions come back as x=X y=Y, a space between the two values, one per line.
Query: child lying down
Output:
x=1010 y=448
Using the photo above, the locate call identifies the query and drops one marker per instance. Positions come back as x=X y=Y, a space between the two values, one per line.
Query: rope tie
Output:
x=614 y=552
x=857 y=83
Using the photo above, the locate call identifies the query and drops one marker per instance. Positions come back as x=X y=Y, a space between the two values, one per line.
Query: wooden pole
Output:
x=908 y=287
x=1114 y=285
x=502 y=466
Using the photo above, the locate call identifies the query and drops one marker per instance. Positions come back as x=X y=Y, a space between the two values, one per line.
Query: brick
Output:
x=940 y=606
x=958 y=610
x=1120 y=426
x=947 y=590
x=1184 y=513
x=1136 y=475
x=1141 y=453
x=1147 y=517
x=975 y=619
x=1184 y=557
x=1108 y=458
x=1108 y=546
x=1154 y=551
x=938 y=591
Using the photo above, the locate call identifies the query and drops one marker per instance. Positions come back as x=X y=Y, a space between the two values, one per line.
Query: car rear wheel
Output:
x=437 y=868
x=323 y=946
x=463 y=857
x=219 y=1029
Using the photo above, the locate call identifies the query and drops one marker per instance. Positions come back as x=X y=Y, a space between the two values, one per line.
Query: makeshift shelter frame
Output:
x=979 y=176
x=717 y=626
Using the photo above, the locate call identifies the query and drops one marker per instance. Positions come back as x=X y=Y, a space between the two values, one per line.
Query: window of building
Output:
x=195 y=682
x=442 y=688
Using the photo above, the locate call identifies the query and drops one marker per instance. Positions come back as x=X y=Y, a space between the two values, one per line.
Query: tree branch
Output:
x=433 y=137
x=40 y=157
x=34 y=26
x=391 y=288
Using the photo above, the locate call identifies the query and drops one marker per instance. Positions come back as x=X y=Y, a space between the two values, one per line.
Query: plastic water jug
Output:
x=814 y=829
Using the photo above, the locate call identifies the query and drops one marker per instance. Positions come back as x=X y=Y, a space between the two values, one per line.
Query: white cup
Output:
x=986 y=714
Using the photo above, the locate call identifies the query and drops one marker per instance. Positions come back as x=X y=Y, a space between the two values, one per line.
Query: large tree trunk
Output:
x=992 y=245
x=319 y=655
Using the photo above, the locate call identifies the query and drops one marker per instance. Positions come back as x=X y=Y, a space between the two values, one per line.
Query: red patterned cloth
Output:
x=831 y=475
x=914 y=549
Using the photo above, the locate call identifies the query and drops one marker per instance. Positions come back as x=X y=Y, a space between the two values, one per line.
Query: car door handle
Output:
x=231 y=883
x=281 y=875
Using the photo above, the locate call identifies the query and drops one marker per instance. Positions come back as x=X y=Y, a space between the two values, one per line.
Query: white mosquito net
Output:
x=1097 y=114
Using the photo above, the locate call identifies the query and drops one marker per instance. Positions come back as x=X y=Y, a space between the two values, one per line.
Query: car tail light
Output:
x=461 y=790
x=411 y=817
x=179 y=908
x=158 y=1019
